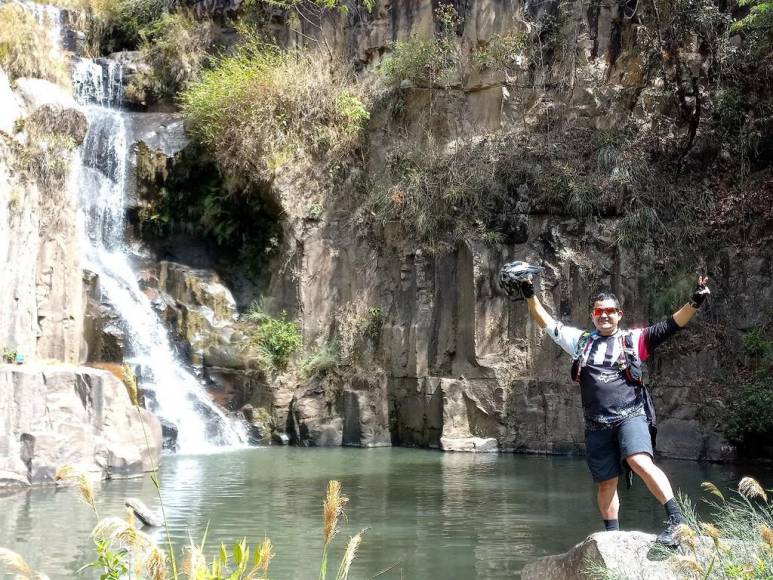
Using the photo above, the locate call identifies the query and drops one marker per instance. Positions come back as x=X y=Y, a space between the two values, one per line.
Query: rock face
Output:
x=51 y=416
x=456 y=364
x=623 y=554
x=41 y=292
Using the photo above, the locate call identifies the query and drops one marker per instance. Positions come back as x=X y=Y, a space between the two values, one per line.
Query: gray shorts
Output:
x=605 y=449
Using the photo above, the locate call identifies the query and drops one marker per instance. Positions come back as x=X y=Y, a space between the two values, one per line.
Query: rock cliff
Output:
x=42 y=290
x=458 y=366
x=57 y=415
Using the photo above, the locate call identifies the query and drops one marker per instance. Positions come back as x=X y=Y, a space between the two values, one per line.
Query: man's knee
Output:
x=640 y=462
x=608 y=485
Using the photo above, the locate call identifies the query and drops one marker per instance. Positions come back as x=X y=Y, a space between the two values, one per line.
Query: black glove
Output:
x=527 y=288
x=701 y=291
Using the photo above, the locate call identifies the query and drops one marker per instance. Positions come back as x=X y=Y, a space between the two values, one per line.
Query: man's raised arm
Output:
x=686 y=312
x=538 y=312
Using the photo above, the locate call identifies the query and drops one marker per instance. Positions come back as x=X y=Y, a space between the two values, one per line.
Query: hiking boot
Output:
x=669 y=537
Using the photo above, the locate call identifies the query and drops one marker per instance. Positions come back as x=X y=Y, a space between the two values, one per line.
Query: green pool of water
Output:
x=429 y=515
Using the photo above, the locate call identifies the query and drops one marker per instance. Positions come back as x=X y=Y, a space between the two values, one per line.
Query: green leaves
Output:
x=278 y=339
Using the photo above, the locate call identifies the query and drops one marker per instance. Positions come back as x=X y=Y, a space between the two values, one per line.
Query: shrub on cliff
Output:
x=261 y=107
x=278 y=339
x=175 y=46
x=26 y=49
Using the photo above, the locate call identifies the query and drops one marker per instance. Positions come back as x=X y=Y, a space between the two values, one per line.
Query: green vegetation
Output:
x=238 y=218
x=422 y=62
x=122 y=549
x=757 y=24
x=429 y=62
x=375 y=322
x=756 y=346
x=322 y=361
x=674 y=293
x=278 y=339
x=115 y=25
x=9 y=355
x=26 y=49
x=175 y=46
x=262 y=103
x=734 y=543
x=749 y=422
x=45 y=160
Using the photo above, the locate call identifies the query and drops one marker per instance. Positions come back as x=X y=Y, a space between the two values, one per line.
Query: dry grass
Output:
x=333 y=508
x=175 y=47
x=123 y=373
x=122 y=548
x=26 y=50
x=736 y=543
x=262 y=107
x=68 y=474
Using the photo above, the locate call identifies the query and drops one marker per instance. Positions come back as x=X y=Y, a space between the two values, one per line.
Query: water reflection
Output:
x=429 y=515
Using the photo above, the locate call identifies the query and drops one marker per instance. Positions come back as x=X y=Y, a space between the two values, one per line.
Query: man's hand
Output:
x=527 y=288
x=701 y=291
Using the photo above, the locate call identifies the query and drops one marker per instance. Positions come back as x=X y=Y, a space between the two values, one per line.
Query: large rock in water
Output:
x=56 y=415
x=622 y=553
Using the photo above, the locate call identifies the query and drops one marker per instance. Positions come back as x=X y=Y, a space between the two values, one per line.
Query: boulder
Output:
x=625 y=553
x=197 y=288
x=56 y=415
x=52 y=108
x=143 y=512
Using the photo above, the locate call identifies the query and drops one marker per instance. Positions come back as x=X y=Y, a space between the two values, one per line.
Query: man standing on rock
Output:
x=616 y=406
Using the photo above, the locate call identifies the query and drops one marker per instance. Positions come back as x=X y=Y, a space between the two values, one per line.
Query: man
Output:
x=607 y=364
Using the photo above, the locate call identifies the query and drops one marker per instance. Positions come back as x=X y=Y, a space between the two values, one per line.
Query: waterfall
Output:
x=99 y=179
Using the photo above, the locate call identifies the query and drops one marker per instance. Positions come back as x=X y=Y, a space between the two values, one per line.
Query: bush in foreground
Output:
x=736 y=542
x=124 y=551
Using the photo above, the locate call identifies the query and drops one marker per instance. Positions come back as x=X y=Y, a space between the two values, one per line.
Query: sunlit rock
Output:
x=56 y=415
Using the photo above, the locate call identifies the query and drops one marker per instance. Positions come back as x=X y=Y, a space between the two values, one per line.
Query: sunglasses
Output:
x=608 y=311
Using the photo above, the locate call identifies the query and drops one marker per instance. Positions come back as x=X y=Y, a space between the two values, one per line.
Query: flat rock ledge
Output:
x=627 y=555
x=55 y=415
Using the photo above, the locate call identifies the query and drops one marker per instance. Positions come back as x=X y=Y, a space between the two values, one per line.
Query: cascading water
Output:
x=100 y=177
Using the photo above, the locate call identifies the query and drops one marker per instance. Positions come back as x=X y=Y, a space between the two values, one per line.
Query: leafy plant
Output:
x=674 y=293
x=375 y=322
x=758 y=20
x=9 y=355
x=755 y=345
x=113 y=564
x=353 y=110
x=749 y=421
x=279 y=339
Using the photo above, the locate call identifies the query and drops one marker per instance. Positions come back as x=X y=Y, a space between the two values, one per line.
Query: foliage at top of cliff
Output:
x=175 y=46
x=261 y=107
x=26 y=48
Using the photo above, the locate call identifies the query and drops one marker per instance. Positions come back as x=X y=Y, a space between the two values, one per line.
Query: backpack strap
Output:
x=581 y=353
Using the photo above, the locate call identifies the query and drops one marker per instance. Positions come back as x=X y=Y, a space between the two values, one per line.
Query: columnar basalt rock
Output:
x=51 y=416
x=42 y=292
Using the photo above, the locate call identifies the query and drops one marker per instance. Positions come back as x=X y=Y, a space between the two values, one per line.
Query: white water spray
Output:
x=100 y=178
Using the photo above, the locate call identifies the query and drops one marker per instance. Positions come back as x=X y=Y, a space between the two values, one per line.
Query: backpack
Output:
x=631 y=366
x=629 y=363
